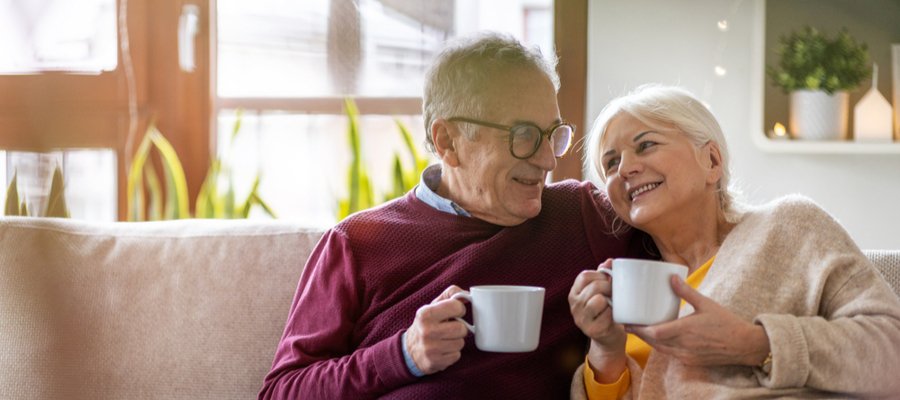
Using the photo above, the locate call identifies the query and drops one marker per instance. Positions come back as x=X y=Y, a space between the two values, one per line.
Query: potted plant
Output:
x=817 y=72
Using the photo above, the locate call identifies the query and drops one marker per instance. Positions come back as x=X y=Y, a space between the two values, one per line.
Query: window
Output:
x=70 y=93
x=73 y=36
x=58 y=90
x=288 y=64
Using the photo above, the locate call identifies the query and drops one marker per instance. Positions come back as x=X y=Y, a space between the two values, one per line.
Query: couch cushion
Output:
x=888 y=263
x=166 y=310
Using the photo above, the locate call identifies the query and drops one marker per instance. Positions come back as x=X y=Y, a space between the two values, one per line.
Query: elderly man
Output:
x=373 y=317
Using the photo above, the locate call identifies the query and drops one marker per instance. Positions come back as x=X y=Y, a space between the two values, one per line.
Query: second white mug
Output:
x=642 y=291
x=506 y=319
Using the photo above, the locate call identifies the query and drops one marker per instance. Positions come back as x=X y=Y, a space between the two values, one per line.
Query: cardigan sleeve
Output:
x=314 y=358
x=853 y=348
x=851 y=344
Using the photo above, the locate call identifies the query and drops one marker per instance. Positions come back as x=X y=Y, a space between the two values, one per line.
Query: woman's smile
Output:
x=644 y=189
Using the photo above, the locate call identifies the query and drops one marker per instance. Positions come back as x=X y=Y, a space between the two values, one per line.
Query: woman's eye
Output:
x=611 y=163
x=646 y=144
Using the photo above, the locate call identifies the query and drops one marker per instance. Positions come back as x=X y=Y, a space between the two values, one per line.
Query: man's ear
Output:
x=445 y=136
x=712 y=162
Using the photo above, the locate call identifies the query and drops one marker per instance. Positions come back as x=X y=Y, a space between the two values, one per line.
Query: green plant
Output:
x=361 y=192
x=210 y=202
x=56 y=206
x=810 y=60
x=213 y=203
x=406 y=178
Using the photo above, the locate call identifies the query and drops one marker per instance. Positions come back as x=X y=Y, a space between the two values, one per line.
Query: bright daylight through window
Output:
x=288 y=64
x=70 y=37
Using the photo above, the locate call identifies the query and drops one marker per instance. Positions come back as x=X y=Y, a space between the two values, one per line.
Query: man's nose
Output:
x=544 y=158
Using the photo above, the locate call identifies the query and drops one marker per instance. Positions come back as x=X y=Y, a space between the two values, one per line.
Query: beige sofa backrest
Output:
x=888 y=263
x=164 y=310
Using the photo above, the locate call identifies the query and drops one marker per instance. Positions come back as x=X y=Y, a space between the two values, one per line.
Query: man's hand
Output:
x=435 y=340
x=710 y=336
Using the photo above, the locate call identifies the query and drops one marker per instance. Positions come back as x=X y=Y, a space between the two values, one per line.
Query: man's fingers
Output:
x=441 y=311
x=447 y=293
x=606 y=264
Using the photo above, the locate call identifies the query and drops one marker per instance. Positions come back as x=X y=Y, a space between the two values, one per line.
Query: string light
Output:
x=719 y=70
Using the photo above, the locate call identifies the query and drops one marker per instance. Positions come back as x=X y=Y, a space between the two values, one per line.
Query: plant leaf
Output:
x=229 y=201
x=237 y=124
x=56 y=207
x=24 y=211
x=206 y=199
x=399 y=187
x=245 y=211
x=265 y=206
x=419 y=162
x=12 y=198
x=177 y=205
x=135 y=194
x=154 y=187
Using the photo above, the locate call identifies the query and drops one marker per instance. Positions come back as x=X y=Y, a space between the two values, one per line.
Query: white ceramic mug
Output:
x=642 y=291
x=507 y=319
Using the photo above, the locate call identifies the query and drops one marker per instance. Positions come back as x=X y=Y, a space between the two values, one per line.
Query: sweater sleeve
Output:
x=852 y=343
x=314 y=358
x=854 y=348
x=627 y=388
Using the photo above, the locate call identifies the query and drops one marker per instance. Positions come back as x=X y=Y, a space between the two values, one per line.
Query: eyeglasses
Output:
x=525 y=139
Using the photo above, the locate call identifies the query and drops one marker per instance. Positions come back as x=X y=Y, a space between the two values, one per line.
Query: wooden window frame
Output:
x=570 y=37
x=51 y=111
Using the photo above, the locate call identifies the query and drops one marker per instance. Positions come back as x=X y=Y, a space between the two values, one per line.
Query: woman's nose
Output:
x=629 y=165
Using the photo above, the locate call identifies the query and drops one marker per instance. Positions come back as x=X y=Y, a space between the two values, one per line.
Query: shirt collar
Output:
x=428 y=185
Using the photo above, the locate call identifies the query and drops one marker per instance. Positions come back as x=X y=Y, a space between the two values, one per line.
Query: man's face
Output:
x=492 y=184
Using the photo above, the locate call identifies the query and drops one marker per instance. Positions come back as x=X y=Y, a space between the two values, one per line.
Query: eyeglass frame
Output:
x=512 y=131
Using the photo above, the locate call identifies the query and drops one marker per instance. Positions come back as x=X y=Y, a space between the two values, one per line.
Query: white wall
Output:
x=678 y=42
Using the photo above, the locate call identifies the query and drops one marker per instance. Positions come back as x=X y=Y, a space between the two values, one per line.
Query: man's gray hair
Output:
x=458 y=79
x=653 y=104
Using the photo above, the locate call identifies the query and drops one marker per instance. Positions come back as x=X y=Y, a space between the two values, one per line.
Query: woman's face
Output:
x=656 y=176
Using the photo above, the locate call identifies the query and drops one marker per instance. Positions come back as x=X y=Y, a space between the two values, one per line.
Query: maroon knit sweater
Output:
x=365 y=280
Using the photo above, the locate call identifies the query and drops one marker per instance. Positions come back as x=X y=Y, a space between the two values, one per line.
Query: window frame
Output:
x=570 y=37
x=55 y=110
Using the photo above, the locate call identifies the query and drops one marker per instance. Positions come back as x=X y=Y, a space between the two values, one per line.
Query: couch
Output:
x=188 y=309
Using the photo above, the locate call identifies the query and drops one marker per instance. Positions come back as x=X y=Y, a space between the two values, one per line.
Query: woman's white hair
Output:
x=458 y=79
x=662 y=107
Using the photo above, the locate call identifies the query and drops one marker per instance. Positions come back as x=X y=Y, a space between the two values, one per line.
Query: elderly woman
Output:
x=780 y=301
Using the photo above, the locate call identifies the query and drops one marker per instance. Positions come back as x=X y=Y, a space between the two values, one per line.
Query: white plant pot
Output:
x=816 y=115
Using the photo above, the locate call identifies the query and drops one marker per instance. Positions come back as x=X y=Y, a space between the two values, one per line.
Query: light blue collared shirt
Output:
x=425 y=191
x=428 y=185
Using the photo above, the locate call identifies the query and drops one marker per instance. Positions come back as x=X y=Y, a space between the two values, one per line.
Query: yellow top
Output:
x=637 y=349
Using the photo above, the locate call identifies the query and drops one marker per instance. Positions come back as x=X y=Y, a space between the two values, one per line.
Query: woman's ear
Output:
x=445 y=135
x=712 y=162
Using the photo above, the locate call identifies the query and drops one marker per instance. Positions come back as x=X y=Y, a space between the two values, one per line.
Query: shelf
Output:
x=823 y=147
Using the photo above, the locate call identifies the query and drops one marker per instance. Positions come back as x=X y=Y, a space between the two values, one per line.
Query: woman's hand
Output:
x=593 y=316
x=710 y=336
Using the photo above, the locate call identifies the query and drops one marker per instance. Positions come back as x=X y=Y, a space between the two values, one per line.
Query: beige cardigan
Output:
x=833 y=323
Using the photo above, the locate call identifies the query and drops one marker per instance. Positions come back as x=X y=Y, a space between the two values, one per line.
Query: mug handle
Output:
x=467 y=296
x=608 y=272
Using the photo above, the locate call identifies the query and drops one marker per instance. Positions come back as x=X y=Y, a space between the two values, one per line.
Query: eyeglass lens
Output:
x=526 y=137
